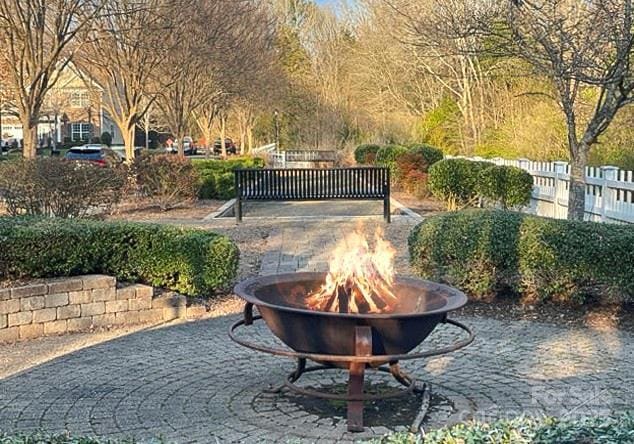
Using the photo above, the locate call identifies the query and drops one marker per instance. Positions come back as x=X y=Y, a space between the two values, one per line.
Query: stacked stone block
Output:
x=82 y=303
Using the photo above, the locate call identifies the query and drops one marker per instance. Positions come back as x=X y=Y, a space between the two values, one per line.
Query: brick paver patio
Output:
x=190 y=383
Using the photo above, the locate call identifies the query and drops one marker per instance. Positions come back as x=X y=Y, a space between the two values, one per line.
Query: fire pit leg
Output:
x=404 y=379
x=299 y=371
x=363 y=347
x=301 y=366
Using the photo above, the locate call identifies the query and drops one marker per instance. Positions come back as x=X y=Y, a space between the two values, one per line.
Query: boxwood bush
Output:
x=454 y=181
x=592 y=430
x=387 y=156
x=366 y=154
x=216 y=176
x=428 y=152
x=506 y=186
x=191 y=262
x=494 y=252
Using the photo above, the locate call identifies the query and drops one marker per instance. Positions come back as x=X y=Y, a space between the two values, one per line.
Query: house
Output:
x=73 y=112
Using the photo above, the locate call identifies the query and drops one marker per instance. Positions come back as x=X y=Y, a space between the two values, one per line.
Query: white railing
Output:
x=277 y=160
x=299 y=158
x=609 y=190
x=271 y=147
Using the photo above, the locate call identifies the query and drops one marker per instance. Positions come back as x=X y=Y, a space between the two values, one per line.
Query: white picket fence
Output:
x=609 y=190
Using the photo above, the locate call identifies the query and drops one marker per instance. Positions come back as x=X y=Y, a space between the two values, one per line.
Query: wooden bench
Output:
x=361 y=183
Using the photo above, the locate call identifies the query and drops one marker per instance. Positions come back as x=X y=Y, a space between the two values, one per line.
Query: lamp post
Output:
x=277 y=130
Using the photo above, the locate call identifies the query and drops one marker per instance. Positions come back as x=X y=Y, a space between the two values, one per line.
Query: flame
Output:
x=360 y=278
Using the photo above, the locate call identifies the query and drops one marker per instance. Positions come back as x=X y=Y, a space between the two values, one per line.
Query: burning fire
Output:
x=360 y=278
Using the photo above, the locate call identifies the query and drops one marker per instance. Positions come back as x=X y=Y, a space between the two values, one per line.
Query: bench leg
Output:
x=387 y=212
x=237 y=209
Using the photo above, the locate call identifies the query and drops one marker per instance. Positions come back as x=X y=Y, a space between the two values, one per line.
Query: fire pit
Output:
x=353 y=321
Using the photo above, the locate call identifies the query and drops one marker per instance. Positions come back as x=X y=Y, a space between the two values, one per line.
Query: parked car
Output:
x=189 y=146
x=98 y=154
x=229 y=146
x=120 y=150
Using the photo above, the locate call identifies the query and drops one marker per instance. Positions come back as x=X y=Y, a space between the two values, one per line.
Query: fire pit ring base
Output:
x=356 y=365
x=409 y=383
x=249 y=319
x=355 y=424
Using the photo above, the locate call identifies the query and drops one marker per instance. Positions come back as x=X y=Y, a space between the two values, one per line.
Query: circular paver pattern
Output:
x=190 y=383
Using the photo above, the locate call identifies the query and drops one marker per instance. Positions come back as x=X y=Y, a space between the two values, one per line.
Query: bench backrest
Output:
x=313 y=184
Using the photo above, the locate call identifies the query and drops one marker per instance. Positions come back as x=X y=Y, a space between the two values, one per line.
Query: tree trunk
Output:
x=577 y=190
x=181 y=144
x=29 y=134
x=223 y=124
x=242 y=142
x=128 y=142
x=250 y=136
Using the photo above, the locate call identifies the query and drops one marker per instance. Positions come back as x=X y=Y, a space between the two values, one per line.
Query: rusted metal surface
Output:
x=373 y=359
x=281 y=301
x=363 y=348
x=350 y=341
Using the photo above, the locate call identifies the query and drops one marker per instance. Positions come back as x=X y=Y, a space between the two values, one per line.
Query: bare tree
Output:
x=205 y=117
x=581 y=47
x=127 y=46
x=584 y=49
x=40 y=38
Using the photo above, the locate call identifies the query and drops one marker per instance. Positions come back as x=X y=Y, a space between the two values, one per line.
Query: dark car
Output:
x=97 y=154
x=229 y=146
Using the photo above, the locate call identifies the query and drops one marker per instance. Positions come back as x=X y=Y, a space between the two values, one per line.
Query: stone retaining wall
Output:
x=83 y=303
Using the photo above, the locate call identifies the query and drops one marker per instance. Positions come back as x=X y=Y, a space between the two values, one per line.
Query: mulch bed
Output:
x=599 y=317
x=141 y=210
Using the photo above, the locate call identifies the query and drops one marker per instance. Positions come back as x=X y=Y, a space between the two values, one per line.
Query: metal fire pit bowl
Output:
x=349 y=340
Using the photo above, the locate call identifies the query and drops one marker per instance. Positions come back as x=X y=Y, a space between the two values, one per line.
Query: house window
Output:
x=81 y=131
x=79 y=99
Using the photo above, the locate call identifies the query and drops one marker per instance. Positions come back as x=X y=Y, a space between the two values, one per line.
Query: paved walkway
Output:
x=190 y=383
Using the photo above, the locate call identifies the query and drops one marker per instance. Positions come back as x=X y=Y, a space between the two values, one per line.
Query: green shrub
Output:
x=454 y=181
x=166 y=179
x=192 y=262
x=387 y=156
x=507 y=186
x=366 y=154
x=225 y=186
x=214 y=176
x=428 y=152
x=55 y=187
x=593 y=430
x=491 y=252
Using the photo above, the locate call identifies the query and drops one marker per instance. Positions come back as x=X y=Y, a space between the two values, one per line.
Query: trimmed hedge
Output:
x=191 y=262
x=366 y=154
x=490 y=252
x=454 y=181
x=593 y=430
x=216 y=176
x=507 y=186
x=387 y=156
x=428 y=152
